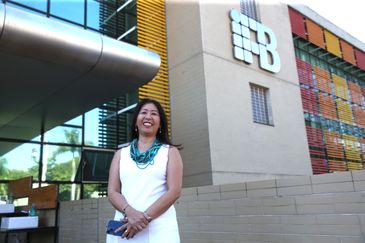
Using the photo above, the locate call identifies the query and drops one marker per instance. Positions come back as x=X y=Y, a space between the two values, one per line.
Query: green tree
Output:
x=61 y=171
x=4 y=173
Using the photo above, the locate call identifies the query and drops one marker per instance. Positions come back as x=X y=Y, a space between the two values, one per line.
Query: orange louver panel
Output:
x=336 y=165
x=340 y=87
x=333 y=144
x=332 y=43
x=344 y=112
x=323 y=79
x=327 y=106
x=348 y=52
x=359 y=115
x=151 y=35
x=351 y=147
x=315 y=34
x=355 y=92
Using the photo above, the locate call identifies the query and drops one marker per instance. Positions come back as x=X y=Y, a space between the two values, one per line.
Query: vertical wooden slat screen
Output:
x=360 y=59
x=348 y=53
x=315 y=34
x=151 y=35
x=332 y=43
x=340 y=86
x=297 y=23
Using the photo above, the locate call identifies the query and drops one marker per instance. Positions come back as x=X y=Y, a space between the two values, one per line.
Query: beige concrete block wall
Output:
x=327 y=208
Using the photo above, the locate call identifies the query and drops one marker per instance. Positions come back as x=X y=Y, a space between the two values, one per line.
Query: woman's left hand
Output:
x=136 y=219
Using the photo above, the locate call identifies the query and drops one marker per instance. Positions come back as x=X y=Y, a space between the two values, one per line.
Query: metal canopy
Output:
x=51 y=72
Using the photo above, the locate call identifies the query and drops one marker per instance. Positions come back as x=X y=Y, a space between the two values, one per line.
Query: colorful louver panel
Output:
x=327 y=106
x=332 y=43
x=348 y=52
x=315 y=34
x=351 y=147
x=151 y=35
x=309 y=100
x=355 y=92
x=333 y=96
x=360 y=59
x=315 y=137
x=344 y=111
x=304 y=72
x=337 y=165
x=297 y=23
x=334 y=145
x=341 y=89
x=323 y=79
x=359 y=115
x=319 y=166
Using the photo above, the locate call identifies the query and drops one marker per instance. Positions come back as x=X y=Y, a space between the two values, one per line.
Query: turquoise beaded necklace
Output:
x=145 y=158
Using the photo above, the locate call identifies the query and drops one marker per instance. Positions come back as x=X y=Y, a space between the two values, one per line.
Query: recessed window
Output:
x=261 y=108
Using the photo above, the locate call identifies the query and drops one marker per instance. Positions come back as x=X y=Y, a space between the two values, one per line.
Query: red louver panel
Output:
x=360 y=58
x=309 y=100
x=319 y=166
x=297 y=23
x=304 y=72
x=315 y=137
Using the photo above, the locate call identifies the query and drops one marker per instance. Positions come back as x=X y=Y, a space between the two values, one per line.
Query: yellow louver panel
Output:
x=344 y=112
x=351 y=147
x=151 y=35
x=341 y=89
x=332 y=43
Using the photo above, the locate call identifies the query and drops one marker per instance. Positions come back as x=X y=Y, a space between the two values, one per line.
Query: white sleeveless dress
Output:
x=141 y=188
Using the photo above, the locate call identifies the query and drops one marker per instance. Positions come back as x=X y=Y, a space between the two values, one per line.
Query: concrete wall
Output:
x=327 y=208
x=189 y=121
x=211 y=100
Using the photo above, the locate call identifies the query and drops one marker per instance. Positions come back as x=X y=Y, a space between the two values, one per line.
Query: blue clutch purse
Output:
x=112 y=226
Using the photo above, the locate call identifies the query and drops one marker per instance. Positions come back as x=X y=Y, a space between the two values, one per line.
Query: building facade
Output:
x=252 y=91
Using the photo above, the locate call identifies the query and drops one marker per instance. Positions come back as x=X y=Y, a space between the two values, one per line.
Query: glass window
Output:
x=18 y=160
x=95 y=190
x=260 y=107
x=91 y=128
x=69 y=192
x=77 y=121
x=69 y=10
x=93 y=14
x=62 y=134
x=60 y=163
x=37 y=4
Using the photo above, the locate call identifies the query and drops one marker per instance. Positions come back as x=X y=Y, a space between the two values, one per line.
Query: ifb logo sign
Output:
x=244 y=47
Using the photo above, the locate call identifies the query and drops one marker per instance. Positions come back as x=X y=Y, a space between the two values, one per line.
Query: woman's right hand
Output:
x=136 y=219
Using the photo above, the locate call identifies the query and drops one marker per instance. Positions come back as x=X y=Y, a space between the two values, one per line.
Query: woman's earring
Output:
x=136 y=129
x=159 y=130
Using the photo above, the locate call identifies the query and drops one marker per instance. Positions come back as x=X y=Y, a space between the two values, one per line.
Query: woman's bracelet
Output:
x=126 y=206
x=149 y=218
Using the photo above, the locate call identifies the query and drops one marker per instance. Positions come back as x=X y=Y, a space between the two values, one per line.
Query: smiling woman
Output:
x=145 y=180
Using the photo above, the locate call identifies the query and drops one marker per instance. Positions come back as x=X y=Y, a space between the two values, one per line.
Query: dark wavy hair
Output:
x=162 y=136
